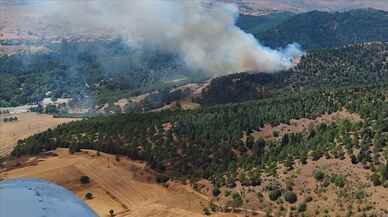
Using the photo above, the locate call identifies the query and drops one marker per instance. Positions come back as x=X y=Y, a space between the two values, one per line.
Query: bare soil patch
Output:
x=304 y=124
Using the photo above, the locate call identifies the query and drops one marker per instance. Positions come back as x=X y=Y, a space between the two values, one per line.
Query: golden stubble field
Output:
x=27 y=125
x=125 y=186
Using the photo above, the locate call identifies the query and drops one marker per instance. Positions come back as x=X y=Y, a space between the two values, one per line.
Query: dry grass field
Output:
x=127 y=187
x=27 y=125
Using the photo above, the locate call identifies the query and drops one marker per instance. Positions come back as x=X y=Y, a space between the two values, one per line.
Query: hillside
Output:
x=95 y=71
x=317 y=29
x=218 y=144
x=125 y=186
x=361 y=64
x=259 y=24
x=330 y=118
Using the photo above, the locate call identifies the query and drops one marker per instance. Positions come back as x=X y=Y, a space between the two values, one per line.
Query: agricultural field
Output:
x=125 y=186
x=27 y=125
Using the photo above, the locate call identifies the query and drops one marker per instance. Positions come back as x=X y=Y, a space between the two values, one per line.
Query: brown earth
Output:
x=329 y=201
x=336 y=201
x=27 y=125
x=125 y=186
x=304 y=124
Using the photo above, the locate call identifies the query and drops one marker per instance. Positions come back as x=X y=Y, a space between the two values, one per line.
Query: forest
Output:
x=360 y=64
x=209 y=143
x=216 y=142
x=319 y=29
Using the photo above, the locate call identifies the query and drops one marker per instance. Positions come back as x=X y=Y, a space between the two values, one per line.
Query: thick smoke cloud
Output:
x=202 y=34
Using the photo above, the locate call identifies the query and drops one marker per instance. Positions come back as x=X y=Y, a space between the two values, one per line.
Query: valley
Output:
x=167 y=108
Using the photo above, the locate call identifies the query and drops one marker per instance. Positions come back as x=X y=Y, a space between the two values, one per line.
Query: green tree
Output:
x=290 y=197
x=85 y=180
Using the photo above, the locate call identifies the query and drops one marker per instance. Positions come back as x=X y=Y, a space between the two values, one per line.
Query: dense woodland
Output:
x=361 y=64
x=208 y=143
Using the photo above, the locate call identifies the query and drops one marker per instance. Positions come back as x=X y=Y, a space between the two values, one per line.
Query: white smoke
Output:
x=203 y=35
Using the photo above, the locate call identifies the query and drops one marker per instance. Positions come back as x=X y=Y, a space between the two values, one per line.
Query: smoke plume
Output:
x=202 y=34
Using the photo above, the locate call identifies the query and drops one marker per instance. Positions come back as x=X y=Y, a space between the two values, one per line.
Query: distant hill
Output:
x=318 y=29
x=259 y=24
x=260 y=7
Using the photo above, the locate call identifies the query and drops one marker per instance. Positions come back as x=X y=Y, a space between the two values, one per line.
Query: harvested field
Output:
x=27 y=125
x=127 y=187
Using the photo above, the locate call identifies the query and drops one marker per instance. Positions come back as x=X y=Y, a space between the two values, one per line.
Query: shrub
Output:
x=384 y=172
x=89 y=196
x=73 y=148
x=273 y=185
x=316 y=155
x=237 y=200
x=326 y=182
x=162 y=179
x=231 y=184
x=84 y=180
x=216 y=192
x=319 y=175
x=308 y=199
x=274 y=194
x=302 y=207
x=213 y=207
x=354 y=159
x=375 y=179
x=112 y=213
x=290 y=197
x=303 y=159
x=206 y=211
x=360 y=195
x=256 y=181
x=385 y=184
x=339 y=181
